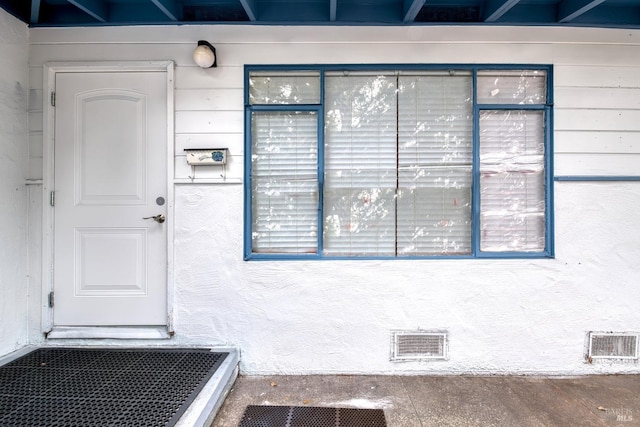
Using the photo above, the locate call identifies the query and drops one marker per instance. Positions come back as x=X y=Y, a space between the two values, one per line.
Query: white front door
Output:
x=110 y=264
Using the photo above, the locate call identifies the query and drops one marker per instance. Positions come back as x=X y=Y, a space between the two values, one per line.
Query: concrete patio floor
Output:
x=420 y=401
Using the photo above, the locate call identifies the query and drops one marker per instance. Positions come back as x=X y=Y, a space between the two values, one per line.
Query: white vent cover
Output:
x=613 y=345
x=418 y=345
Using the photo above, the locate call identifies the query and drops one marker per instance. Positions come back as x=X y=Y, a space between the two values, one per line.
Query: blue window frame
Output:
x=398 y=161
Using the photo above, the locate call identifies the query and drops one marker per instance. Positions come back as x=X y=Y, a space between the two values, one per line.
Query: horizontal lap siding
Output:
x=597 y=79
x=208 y=103
x=597 y=120
x=209 y=114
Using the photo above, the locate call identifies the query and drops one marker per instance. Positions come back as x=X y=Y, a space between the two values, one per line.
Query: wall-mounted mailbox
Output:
x=206 y=156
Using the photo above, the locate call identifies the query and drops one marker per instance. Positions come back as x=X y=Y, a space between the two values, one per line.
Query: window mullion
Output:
x=548 y=164
x=475 y=171
x=397 y=161
x=321 y=125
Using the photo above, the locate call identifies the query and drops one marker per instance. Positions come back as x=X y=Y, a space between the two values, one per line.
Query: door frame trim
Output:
x=48 y=181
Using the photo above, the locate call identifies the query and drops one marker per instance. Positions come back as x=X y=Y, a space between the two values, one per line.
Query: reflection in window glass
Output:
x=284 y=182
x=284 y=88
x=512 y=181
x=512 y=87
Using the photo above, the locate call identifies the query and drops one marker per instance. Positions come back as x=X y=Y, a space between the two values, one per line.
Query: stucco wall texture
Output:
x=14 y=83
x=503 y=316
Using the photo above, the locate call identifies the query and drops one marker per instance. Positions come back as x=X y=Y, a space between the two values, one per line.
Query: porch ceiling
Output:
x=73 y=13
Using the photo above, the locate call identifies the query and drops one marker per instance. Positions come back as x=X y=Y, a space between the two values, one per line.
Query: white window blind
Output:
x=284 y=177
x=360 y=165
x=512 y=190
x=435 y=164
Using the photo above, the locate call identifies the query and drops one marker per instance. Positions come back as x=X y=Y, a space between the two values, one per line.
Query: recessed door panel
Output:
x=111 y=262
x=110 y=156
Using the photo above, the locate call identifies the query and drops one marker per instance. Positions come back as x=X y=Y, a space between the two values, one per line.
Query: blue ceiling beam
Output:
x=411 y=9
x=530 y=14
x=96 y=8
x=333 y=10
x=496 y=9
x=132 y=13
x=250 y=9
x=35 y=11
x=568 y=10
x=169 y=8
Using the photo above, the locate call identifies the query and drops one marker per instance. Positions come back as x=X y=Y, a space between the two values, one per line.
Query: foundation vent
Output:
x=419 y=345
x=612 y=345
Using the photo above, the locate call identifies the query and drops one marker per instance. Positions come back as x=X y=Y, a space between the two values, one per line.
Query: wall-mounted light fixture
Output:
x=205 y=55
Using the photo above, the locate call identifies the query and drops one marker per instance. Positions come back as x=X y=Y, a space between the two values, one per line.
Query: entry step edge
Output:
x=16 y=354
x=205 y=407
x=104 y=332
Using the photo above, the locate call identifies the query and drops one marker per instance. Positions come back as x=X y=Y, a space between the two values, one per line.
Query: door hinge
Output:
x=52 y=198
x=51 y=299
x=53 y=99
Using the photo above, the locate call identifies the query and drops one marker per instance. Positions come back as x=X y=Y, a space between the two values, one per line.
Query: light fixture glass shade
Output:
x=204 y=55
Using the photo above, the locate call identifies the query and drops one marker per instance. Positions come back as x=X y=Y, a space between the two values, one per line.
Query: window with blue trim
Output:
x=398 y=162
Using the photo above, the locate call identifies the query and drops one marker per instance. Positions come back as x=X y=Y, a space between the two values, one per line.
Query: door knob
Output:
x=157 y=218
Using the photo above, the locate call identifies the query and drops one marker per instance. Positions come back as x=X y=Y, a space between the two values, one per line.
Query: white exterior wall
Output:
x=14 y=83
x=503 y=316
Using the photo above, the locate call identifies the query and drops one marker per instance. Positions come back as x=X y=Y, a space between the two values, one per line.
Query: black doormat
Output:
x=310 y=416
x=103 y=387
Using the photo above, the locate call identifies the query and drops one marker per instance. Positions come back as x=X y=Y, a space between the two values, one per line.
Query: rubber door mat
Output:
x=309 y=416
x=103 y=387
